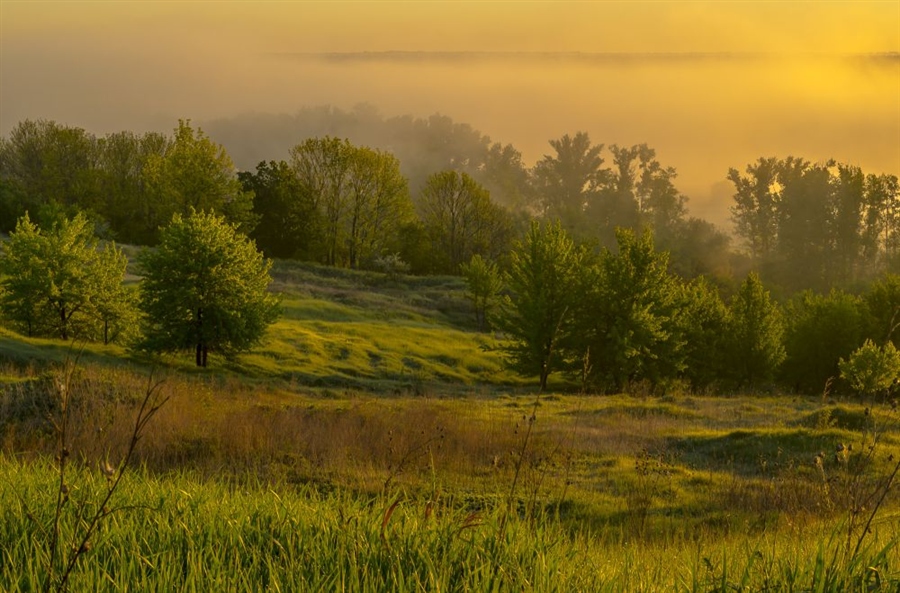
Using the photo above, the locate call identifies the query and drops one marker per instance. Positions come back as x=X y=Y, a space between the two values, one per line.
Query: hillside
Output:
x=339 y=329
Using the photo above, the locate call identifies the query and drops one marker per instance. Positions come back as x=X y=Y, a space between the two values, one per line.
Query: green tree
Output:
x=58 y=283
x=112 y=305
x=195 y=173
x=483 y=286
x=49 y=164
x=871 y=369
x=633 y=313
x=360 y=195
x=321 y=165
x=461 y=221
x=755 y=211
x=703 y=326
x=542 y=281
x=378 y=204
x=883 y=306
x=289 y=223
x=567 y=183
x=205 y=289
x=130 y=207
x=755 y=334
x=820 y=331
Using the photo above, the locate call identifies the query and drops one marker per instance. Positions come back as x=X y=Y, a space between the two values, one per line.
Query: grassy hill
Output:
x=340 y=329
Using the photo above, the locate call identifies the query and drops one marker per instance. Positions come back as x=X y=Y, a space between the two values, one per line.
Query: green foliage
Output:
x=461 y=221
x=703 y=324
x=483 y=286
x=630 y=325
x=194 y=173
x=361 y=198
x=568 y=180
x=883 y=305
x=58 y=283
x=870 y=369
x=755 y=333
x=820 y=331
x=289 y=222
x=43 y=163
x=542 y=280
x=205 y=288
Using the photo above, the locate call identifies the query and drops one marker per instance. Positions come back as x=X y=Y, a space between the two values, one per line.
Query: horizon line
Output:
x=605 y=57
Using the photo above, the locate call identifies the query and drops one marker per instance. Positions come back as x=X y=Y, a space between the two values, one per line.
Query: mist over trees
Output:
x=600 y=273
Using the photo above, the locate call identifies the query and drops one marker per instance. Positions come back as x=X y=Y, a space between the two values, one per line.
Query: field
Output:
x=375 y=442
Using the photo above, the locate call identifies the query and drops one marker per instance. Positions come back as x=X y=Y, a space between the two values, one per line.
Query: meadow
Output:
x=375 y=442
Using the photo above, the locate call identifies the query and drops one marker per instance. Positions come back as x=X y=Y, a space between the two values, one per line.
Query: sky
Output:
x=708 y=84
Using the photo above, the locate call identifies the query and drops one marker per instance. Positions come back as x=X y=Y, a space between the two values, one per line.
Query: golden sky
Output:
x=761 y=78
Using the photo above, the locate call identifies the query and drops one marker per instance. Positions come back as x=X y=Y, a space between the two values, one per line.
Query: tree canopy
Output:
x=58 y=283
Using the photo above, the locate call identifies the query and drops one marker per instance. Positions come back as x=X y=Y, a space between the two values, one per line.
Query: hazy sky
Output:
x=709 y=85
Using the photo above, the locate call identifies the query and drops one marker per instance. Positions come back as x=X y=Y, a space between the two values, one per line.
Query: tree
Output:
x=755 y=333
x=703 y=326
x=756 y=203
x=883 y=307
x=49 y=164
x=483 y=285
x=461 y=221
x=378 y=204
x=542 y=281
x=820 y=331
x=289 y=223
x=195 y=173
x=321 y=166
x=130 y=203
x=567 y=183
x=359 y=194
x=205 y=289
x=633 y=313
x=871 y=369
x=58 y=283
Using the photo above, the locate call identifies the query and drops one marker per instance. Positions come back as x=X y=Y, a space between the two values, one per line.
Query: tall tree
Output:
x=755 y=334
x=129 y=206
x=205 y=289
x=542 y=281
x=566 y=183
x=755 y=212
x=703 y=327
x=461 y=221
x=196 y=173
x=820 y=330
x=633 y=316
x=322 y=166
x=378 y=204
x=881 y=221
x=47 y=164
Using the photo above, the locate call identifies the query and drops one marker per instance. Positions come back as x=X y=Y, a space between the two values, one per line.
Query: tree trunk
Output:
x=199 y=357
x=62 y=319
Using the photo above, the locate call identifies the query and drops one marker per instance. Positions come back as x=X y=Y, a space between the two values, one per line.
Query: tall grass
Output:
x=178 y=533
